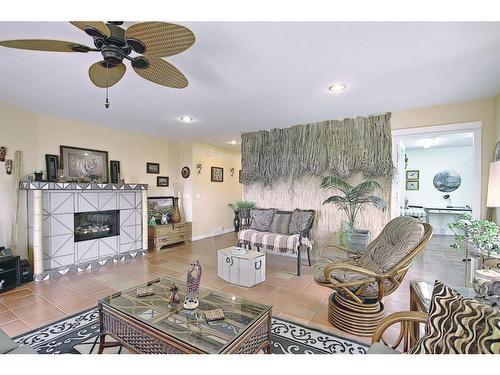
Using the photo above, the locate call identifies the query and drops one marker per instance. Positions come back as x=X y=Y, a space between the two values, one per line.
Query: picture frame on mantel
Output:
x=114 y=170
x=153 y=168
x=51 y=165
x=84 y=164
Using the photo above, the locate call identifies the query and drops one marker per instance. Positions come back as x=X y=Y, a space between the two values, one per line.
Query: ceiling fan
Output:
x=150 y=40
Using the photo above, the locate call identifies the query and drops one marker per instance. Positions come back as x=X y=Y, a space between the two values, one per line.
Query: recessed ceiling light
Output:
x=186 y=119
x=428 y=142
x=233 y=142
x=337 y=87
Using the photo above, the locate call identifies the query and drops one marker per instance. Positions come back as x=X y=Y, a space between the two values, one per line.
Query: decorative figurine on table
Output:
x=173 y=296
x=152 y=221
x=193 y=286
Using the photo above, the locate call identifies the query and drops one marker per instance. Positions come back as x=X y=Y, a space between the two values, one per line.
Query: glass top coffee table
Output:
x=153 y=325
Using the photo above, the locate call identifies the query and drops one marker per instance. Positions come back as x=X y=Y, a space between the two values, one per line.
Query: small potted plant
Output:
x=483 y=235
x=352 y=200
x=241 y=211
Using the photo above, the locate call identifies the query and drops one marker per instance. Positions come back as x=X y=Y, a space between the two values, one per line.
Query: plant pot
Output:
x=236 y=221
x=359 y=239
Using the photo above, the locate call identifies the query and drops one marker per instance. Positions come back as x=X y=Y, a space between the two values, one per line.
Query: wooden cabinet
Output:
x=168 y=234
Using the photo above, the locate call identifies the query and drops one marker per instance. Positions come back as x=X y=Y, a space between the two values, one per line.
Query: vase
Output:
x=176 y=213
x=236 y=221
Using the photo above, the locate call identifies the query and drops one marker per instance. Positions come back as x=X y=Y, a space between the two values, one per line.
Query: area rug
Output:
x=78 y=334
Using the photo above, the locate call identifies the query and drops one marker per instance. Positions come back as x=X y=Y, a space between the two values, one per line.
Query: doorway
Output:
x=438 y=173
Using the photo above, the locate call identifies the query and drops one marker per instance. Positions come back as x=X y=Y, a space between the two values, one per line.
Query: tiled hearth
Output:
x=295 y=298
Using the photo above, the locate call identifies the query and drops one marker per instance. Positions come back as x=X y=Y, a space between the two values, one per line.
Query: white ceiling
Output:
x=445 y=140
x=251 y=76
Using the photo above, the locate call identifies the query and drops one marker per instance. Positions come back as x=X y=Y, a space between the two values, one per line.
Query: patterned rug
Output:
x=78 y=334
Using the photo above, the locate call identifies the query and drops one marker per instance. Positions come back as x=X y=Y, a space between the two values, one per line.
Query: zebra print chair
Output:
x=454 y=325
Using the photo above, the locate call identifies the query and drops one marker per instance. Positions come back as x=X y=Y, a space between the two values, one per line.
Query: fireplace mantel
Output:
x=52 y=208
x=44 y=185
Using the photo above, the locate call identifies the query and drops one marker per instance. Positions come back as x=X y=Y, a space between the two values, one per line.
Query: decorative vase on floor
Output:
x=236 y=221
x=176 y=213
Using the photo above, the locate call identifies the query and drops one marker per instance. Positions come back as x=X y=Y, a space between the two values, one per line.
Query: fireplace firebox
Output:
x=96 y=224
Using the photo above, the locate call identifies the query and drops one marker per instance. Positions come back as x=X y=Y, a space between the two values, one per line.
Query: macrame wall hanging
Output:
x=338 y=147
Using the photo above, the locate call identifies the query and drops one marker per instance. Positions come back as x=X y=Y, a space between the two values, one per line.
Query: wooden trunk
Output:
x=168 y=234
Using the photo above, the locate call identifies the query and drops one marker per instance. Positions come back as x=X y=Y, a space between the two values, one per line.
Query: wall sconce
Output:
x=198 y=168
x=8 y=166
x=3 y=153
x=232 y=172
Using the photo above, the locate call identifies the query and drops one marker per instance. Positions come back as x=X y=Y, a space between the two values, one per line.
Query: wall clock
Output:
x=185 y=172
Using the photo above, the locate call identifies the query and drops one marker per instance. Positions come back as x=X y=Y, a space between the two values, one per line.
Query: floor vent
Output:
x=216 y=231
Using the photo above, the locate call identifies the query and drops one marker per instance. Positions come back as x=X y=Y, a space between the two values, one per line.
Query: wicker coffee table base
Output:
x=141 y=338
x=355 y=318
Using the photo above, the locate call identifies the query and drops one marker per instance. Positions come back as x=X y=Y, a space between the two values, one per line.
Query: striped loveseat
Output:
x=279 y=232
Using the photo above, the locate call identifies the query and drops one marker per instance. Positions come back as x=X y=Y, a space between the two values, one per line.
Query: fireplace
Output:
x=96 y=224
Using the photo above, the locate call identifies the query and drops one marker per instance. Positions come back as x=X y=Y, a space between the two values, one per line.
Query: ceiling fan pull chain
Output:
x=106 y=104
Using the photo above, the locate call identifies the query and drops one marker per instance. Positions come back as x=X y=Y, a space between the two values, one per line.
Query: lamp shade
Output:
x=493 y=199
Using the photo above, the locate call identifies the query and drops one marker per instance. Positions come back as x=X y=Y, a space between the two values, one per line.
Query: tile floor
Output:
x=296 y=298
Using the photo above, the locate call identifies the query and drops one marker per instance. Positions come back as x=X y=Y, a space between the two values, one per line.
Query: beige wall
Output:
x=496 y=215
x=37 y=134
x=211 y=199
x=478 y=110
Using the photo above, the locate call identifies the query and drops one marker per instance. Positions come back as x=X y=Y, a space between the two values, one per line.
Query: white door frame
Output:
x=437 y=130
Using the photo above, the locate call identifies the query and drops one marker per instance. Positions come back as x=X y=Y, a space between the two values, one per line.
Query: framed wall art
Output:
x=114 y=171
x=52 y=165
x=217 y=174
x=412 y=185
x=84 y=164
x=153 y=168
x=162 y=181
x=185 y=172
x=413 y=175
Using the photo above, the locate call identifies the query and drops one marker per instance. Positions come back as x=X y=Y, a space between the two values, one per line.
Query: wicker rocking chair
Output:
x=360 y=282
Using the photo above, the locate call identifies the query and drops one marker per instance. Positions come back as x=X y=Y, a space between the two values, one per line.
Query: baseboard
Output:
x=208 y=235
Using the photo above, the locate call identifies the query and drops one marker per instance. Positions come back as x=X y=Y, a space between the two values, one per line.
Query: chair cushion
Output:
x=6 y=344
x=301 y=220
x=267 y=241
x=459 y=325
x=398 y=239
x=261 y=219
x=380 y=348
x=281 y=222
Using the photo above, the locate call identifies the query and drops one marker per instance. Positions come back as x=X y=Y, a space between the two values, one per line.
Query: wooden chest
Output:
x=168 y=234
x=244 y=269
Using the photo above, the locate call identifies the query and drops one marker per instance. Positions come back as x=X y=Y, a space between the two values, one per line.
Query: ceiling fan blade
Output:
x=93 y=28
x=45 y=45
x=161 y=72
x=106 y=76
x=159 y=39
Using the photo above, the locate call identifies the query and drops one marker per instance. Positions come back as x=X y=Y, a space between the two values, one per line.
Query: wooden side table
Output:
x=168 y=234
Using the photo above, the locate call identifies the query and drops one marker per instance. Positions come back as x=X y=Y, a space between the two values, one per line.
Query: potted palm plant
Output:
x=351 y=202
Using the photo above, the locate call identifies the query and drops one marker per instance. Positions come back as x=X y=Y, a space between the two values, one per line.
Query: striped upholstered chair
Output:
x=361 y=282
x=454 y=325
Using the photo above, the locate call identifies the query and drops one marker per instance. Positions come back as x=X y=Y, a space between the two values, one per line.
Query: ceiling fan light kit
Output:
x=151 y=40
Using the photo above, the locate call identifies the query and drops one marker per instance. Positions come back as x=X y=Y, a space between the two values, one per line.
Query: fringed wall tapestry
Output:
x=337 y=147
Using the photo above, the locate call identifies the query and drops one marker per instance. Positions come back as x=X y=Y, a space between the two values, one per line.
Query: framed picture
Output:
x=52 y=165
x=114 y=170
x=84 y=164
x=162 y=181
x=153 y=168
x=185 y=172
x=157 y=206
x=413 y=175
x=217 y=174
x=412 y=185
x=239 y=176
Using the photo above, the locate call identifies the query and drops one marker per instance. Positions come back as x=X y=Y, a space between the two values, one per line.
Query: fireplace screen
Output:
x=96 y=224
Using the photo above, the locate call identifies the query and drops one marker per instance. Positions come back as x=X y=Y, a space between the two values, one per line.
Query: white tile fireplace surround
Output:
x=54 y=249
